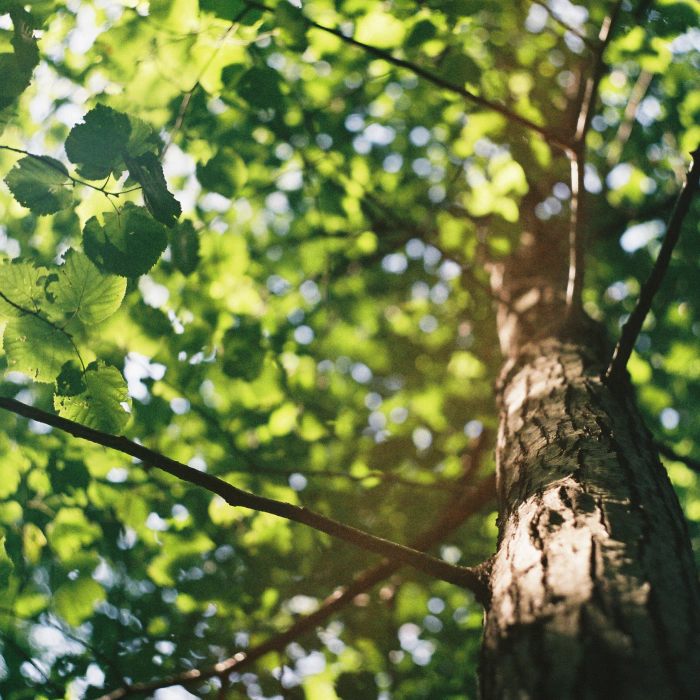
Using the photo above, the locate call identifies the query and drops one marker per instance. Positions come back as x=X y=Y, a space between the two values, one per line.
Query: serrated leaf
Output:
x=70 y=381
x=97 y=145
x=99 y=406
x=184 y=246
x=39 y=183
x=79 y=287
x=21 y=288
x=140 y=138
x=225 y=173
x=128 y=244
x=36 y=348
x=16 y=69
x=6 y=566
x=147 y=170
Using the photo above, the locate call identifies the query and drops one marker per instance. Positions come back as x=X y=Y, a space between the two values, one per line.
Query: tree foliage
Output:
x=257 y=239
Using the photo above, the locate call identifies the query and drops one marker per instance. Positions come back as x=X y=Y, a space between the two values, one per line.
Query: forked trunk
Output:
x=594 y=589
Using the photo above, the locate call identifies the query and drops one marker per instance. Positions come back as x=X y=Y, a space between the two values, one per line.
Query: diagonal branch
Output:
x=458 y=575
x=463 y=508
x=511 y=116
x=633 y=326
x=671 y=454
x=567 y=27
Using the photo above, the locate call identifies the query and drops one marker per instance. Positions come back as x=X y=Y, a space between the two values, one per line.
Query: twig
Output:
x=623 y=133
x=577 y=155
x=633 y=326
x=567 y=27
x=670 y=453
x=464 y=508
x=188 y=95
x=459 y=575
x=74 y=180
x=545 y=133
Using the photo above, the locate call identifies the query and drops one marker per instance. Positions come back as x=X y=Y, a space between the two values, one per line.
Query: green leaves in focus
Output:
x=128 y=244
x=79 y=288
x=97 y=146
x=98 y=405
x=148 y=172
x=36 y=347
x=39 y=183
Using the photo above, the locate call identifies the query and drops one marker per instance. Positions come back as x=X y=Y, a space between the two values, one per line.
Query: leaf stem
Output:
x=74 y=180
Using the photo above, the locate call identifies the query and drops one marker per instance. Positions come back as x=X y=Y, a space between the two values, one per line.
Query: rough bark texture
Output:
x=594 y=588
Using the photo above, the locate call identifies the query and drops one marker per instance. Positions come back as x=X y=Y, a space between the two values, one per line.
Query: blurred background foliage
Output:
x=323 y=332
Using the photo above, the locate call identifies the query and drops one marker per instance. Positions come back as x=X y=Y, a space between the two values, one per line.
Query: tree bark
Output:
x=594 y=589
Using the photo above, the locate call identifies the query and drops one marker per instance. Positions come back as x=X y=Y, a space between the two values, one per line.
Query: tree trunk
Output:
x=594 y=588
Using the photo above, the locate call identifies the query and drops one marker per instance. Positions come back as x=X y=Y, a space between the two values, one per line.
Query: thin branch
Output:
x=577 y=248
x=74 y=180
x=623 y=133
x=671 y=454
x=545 y=133
x=188 y=95
x=577 y=155
x=633 y=326
x=568 y=27
x=458 y=575
x=471 y=502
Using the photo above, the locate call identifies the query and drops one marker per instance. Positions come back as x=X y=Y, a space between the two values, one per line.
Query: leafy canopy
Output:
x=257 y=240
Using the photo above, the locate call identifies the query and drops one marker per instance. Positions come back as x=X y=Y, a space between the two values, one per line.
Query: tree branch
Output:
x=463 y=508
x=577 y=155
x=633 y=326
x=545 y=133
x=566 y=26
x=458 y=575
x=670 y=453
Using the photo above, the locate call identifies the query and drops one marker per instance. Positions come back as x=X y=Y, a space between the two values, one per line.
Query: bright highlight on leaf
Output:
x=81 y=289
x=99 y=405
x=36 y=347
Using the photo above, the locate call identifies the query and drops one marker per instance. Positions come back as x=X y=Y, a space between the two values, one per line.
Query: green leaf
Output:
x=184 y=246
x=260 y=88
x=97 y=146
x=129 y=244
x=141 y=137
x=244 y=355
x=6 y=116
x=39 y=183
x=70 y=382
x=21 y=288
x=6 y=566
x=147 y=170
x=75 y=601
x=37 y=348
x=225 y=173
x=422 y=31
x=16 y=69
x=99 y=405
x=79 y=287
x=231 y=10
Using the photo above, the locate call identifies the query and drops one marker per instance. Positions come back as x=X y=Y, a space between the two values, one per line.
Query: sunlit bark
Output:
x=595 y=593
